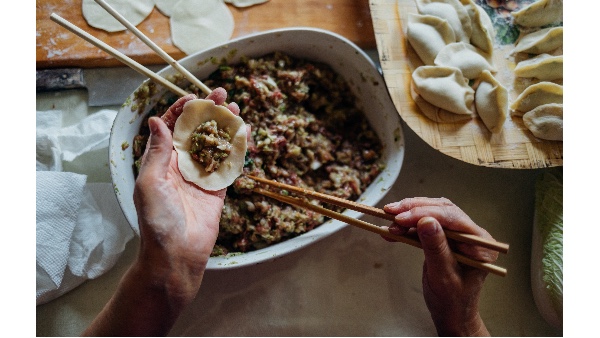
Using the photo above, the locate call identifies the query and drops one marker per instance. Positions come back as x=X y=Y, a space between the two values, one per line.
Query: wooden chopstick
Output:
x=155 y=47
x=376 y=229
x=458 y=236
x=118 y=55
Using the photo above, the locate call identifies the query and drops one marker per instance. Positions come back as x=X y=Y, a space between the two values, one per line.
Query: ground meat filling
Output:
x=210 y=145
x=307 y=131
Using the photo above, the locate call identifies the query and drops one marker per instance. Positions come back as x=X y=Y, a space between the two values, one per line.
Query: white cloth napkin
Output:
x=80 y=229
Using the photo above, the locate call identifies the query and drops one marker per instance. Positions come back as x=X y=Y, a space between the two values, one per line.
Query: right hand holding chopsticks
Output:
x=451 y=290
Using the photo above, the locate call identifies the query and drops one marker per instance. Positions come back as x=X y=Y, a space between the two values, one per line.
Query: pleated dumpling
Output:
x=482 y=29
x=199 y=112
x=444 y=87
x=435 y=113
x=452 y=11
x=539 y=13
x=544 y=67
x=491 y=102
x=546 y=121
x=469 y=59
x=537 y=95
x=428 y=34
x=539 y=42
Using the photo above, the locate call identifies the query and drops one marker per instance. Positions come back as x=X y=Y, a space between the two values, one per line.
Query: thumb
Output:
x=159 y=148
x=438 y=255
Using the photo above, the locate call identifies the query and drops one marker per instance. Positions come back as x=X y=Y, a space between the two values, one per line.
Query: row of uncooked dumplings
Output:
x=541 y=104
x=441 y=87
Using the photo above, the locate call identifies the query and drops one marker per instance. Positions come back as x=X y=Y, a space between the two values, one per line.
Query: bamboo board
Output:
x=469 y=141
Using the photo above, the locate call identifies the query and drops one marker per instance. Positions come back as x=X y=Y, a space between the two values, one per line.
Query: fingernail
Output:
x=431 y=226
x=395 y=229
x=392 y=205
x=402 y=216
x=152 y=125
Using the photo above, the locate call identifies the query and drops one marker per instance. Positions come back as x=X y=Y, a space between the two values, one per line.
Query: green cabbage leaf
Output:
x=547 y=248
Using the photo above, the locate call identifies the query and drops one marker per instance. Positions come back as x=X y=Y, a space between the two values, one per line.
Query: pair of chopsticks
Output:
x=457 y=236
x=128 y=61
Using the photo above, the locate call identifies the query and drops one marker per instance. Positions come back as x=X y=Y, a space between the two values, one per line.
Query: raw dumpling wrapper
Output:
x=546 y=121
x=245 y=3
x=483 y=34
x=539 y=13
x=537 y=95
x=470 y=60
x=196 y=112
x=166 y=6
x=428 y=34
x=199 y=24
x=134 y=11
x=491 y=102
x=544 y=67
x=453 y=12
x=539 y=42
x=444 y=87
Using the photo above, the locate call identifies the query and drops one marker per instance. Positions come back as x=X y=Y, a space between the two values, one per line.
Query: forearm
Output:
x=141 y=306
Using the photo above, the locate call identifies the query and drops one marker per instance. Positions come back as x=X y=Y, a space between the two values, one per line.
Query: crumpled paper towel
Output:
x=80 y=229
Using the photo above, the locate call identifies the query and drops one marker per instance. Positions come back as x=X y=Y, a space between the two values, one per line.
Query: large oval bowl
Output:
x=317 y=45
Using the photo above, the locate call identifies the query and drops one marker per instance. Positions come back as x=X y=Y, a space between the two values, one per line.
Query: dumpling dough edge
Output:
x=194 y=113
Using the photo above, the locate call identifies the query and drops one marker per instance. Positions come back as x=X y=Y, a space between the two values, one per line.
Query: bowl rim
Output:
x=271 y=252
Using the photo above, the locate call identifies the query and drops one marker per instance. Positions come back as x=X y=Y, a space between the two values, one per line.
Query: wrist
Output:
x=148 y=301
x=168 y=275
x=473 y=327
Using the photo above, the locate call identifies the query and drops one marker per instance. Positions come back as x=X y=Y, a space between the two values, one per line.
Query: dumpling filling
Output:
x=210 y=145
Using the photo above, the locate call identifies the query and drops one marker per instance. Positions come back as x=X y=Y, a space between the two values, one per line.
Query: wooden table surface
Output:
x=57 y=47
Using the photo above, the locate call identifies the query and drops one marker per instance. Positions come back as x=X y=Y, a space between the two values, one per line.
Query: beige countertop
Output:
x=352 y=283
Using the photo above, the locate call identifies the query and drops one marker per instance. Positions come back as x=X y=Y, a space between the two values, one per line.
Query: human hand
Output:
x=451 y=290
x=178 y=221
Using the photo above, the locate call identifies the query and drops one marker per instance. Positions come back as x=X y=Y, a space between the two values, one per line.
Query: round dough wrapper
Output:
x=244 y=3
x=166 y=6
x=196 y=112
x=134 y=11
x=199 y=24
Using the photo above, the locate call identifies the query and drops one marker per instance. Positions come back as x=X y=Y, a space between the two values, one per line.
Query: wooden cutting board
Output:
x=57 y=47
x=470 y=141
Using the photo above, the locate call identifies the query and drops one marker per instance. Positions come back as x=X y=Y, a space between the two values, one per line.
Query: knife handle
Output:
x=58 y=79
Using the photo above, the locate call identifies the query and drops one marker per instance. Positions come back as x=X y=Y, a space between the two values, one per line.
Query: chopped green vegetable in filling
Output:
x=210 y=145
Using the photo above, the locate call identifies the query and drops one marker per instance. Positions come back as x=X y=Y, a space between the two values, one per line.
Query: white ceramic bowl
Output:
x=314 y=44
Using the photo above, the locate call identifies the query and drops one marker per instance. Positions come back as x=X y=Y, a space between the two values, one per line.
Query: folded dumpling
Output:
x=539 y=42
x=452 y=11
x=539 y=13
x=444 y=87
x=221 y=123
x=470 y=60
x=491 y=102
x=434 y=113
x=482 y=29
x=545 y=67
x=546 y=121
x=428 y=34
x=537 y=95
